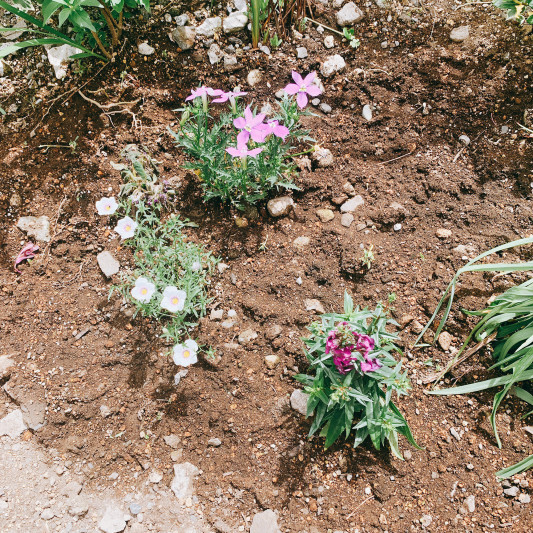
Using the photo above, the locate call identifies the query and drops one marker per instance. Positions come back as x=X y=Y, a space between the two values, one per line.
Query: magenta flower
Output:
x=27 y=252
x=370 y=365
x=250 y=126
x=230 y=95
x=243 y=151
x=275 y=128
x=302 y=87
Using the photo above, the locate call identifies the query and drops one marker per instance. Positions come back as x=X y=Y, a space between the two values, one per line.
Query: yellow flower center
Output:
x=108 y=207
x=127 y=228
x=144 y=290
x=186 y=354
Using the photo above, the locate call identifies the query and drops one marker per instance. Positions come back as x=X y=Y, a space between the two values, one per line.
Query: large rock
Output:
x=299 y=401
x=278 y=207
x=184 y=37
x=459 y=34
x=265 y=522
x=37 y=227
x=183 y=483
x=145 y=49
x=323 y=157
x=235 y=22
x=214 y=54
x=332 y=65
x=59 y=57
x=352 y=204
x=12 y=424
x=209 y=27
x=349 y=14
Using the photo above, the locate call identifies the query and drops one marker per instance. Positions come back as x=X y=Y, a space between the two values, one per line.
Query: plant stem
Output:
x=312 y=149
x=324 y=26
x=255 y=22
x=100 y=45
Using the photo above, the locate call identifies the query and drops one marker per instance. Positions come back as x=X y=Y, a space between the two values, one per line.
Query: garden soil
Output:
x=102 y=376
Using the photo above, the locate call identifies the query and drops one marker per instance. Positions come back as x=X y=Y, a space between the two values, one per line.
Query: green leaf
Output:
x=49 y=7
x=515 y=469
x=348 y=303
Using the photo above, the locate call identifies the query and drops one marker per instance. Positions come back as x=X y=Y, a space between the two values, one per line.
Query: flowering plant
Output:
x=353 y=376
x=242 y=155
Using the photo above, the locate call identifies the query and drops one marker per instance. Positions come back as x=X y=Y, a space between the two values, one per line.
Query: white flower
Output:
x=143 y=290
x=126 y=227
x=196 y=266
x=173 y=299
x=185 y=354
x=106 y=206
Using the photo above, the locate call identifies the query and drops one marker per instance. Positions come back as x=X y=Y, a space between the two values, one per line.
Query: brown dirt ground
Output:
x=265 y=460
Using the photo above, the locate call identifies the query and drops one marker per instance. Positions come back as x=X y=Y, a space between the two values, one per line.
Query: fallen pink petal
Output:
x=27 y=252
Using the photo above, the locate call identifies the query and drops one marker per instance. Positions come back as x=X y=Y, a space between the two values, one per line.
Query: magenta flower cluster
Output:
x=342 y=350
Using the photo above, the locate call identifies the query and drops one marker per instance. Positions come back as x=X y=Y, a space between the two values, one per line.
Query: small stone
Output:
x=230 y=62
x=465 y=139
x=216 y=314
x=367 y=112
x=360 y=227
x=215 y=442
x=37 y=227
x=273 y=332
x=325 y=108
x=455 y=434
x=469 y=505
x=349 y=189
x=15 y=200
x=47 y=514
x=397 y=227
x=299 y=401
x=72 y=489
x=445 y=340
x=181 y=20
x=108 y=264
x=172 y=441
x=314 y=305
x=407 y=455
x=176 y=455
x=78 y=508
x=59 y=58
x=247 y=336
x=329 y=41
x=301 y=52
x=105 y=411
x=278 y=207
x=332 y=65
x=145 y=49
x=265 y=522
x=347 y=219
x=315 y=102
x=222 y=267
x=184 y=37
x=505 y=129
x=325 y=215
x=235 y=22
x=524 y=498
x=271 y=361
x=459 y=34
x=209 y=27
x=349 y=15
x=183 y=482
x=323 y=157
x=113 y=520
x=6 y=364
x=512 y=492
x=135 y=508
x=301 y=242
x=12 y=424
x=426 y=520
x=155 y=477
x=254 y=77
x=352 y=204
x=443 y=233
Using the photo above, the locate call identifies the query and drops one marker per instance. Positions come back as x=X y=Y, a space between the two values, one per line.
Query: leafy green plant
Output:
x=94 y=23
x=353 y=375
x=507 y=325
x=238 y=157
x=520 y=10
x=275 y=41
x=349 y=35
x=368 y=257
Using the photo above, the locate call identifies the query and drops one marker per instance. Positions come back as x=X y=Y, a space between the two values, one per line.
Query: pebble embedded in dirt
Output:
x=301 y=52
x=265 y=522
x=301 y=242
x=367 y=112
x=332 y=65
x=6 y=364
x=347 y=219
x=455 y=434
x=325 y=215
x=512 y=492
x=323 y=157
x=254 y=77
x=37 y=227
x=12 y=424
x=312 y=304
x=524 y=498
x=426 y=520
x=145 y=49
x=279 y=207
x=443 y=233
x=247 y=336
x=329 y=41
x=108 y=264
x=349 y=189
x=183 y=482
x=469 y=505
x=273 y=332
x=209 y=27
x=459 y=34
x=113 y=521
x=172 y=440
x=184 y=37
x=235 y=22
x=299 y=401
x=216 y=314
x=352 y=204
x=215 y=442
x=349 y=14
x=272 y=361
x=445 y=340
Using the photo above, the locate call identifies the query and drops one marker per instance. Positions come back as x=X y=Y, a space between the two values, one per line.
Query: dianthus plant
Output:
x=352 y=377
x=242 y=155
x=171 y=274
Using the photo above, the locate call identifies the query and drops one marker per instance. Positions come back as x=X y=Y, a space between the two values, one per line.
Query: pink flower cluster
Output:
x=343 y=357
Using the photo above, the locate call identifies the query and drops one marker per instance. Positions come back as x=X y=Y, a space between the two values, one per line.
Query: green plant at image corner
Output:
x=352 y=376
x=507 y=326
x=520 y=10
x=95 y=24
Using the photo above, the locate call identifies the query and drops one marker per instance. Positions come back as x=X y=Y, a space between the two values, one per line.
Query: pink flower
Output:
x=275 y=128
x=27 y=252
x=202 y=92
x=250 y=126
x=242 y=150
x=365 y=344
x=302 y=87
x=369 y=365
